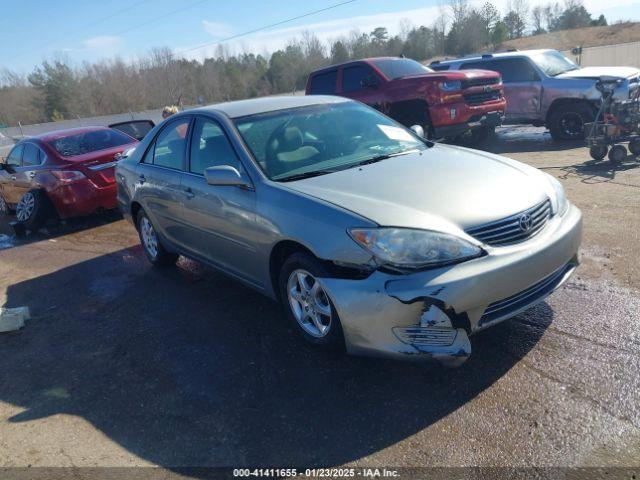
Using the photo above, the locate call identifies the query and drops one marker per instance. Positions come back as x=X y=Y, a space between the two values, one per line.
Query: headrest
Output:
x=291 y=139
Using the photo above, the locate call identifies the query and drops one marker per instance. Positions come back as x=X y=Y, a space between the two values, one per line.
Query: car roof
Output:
x=49 y=136
x=253 y=106
x=489 y=56
x=359 y=60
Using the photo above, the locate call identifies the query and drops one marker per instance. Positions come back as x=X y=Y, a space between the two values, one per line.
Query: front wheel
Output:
x=566 y=122
x=306 y=303
x=634 y=146
x=151 y=244
x=33 y=210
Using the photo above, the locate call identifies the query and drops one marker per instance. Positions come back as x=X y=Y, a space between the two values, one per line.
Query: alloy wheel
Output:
x=309 y=303
x=149 y=237
x=25 y=207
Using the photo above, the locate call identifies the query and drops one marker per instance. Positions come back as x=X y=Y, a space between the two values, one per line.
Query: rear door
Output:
x=324 y=83
x=220 y=218
x=160 y=177
x=8 y=178
x=522 y=85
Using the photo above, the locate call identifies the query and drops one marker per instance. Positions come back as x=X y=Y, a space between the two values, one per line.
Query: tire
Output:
x=33 y=210
x=153 y=248
x=4 y=207
x=617 y=154
x=566 y=122
x=300 y=308
x=598 y=152
x=634 y=146
x=482 y=134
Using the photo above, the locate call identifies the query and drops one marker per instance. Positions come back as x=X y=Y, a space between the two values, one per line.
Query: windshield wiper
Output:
x=303 y=175
x=379 y=158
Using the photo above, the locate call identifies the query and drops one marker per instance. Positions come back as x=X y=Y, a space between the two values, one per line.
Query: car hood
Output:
x=443 y=188
x=597 y=72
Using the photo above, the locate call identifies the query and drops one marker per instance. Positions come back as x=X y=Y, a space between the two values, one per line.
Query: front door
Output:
x=220 y=218
x=361 y=83
x=522 y=86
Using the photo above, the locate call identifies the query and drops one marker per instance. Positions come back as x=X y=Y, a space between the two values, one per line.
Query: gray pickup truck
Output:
x=543 y=87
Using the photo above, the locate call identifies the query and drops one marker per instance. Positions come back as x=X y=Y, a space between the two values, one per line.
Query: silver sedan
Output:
x=372 y=238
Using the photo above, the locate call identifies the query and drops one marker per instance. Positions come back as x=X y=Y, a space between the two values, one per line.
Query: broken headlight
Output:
x=412 y=248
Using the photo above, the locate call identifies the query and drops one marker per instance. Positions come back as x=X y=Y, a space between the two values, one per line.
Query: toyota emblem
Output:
x=525 y=222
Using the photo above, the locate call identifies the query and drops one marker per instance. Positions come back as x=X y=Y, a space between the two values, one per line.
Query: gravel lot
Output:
x=123 y=365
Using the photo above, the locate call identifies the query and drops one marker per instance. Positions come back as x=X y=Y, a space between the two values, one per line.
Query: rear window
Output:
x=324 y=83
x=400 y=67
x=88 y=142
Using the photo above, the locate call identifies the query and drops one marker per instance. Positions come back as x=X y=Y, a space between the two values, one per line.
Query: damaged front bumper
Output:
x=431 y=314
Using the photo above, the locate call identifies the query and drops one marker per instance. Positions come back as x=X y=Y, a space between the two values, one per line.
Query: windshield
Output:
x=324 y=138
x=554 y=63
x=400 y=67
x=88 y=142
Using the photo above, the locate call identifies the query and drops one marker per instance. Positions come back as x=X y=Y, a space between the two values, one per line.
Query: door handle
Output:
x=13 y=177
x=141 y=179
x=189 y=193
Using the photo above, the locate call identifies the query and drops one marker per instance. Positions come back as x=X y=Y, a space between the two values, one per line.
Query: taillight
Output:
x=68 y=176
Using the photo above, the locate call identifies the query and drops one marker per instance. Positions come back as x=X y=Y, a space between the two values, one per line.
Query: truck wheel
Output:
x=566 y=122
x=617 y=154
x=598 y=152
x=482 y=134
x=33 y=210
x=634 y=146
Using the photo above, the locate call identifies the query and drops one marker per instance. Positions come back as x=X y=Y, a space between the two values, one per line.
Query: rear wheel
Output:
x=598 y=152
x=306 y=304
x=566 y=122
x=151 y=244
x=33 y=209
x=617 y=154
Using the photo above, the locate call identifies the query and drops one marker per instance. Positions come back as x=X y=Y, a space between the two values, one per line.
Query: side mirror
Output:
x=226 y=175
x=369 y=82
x=418 y=130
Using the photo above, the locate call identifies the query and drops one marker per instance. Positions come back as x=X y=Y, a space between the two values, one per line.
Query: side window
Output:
x=324 y=83
x=171 y=145
x=41 y=157
x=357 y=78
x=30 y=156
x=210 y=147
x=511 y=69
x=15 y=157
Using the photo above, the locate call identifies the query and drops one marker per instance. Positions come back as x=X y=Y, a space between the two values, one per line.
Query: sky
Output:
x=84 y=30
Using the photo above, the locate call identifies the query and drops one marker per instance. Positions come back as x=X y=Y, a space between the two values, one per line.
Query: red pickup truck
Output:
x=445 y=104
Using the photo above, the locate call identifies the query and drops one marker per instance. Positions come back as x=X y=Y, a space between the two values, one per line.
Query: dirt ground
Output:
x=125 y=365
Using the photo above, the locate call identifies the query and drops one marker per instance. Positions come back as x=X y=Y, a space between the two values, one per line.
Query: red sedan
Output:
x=67 y=173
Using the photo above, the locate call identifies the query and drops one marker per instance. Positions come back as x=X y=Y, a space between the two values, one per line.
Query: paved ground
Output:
x=124 y=365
